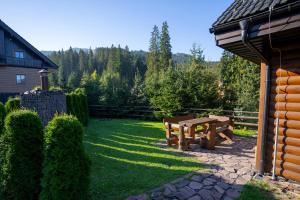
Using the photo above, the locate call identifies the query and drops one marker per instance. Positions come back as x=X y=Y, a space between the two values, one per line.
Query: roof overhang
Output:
x=285 y=34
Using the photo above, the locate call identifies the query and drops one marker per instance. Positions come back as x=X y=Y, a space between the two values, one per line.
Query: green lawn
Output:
x=126 y=161
x=258 y=190
x=245 y=132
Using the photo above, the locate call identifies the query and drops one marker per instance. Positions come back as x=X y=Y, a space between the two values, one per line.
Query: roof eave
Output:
x=283 y=10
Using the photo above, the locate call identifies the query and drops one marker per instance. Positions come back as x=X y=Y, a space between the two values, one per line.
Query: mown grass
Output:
x=245 y=132
x=126 y=161
x=258 y=190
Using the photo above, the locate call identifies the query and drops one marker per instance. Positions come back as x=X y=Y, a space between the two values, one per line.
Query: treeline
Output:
x=117 y=76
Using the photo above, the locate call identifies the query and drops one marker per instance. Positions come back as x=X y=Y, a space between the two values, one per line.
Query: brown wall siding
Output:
x=8 y=79
x=285 y=101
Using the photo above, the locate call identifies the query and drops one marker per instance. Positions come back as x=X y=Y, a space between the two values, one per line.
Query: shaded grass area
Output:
x=126 y=161
x=245 y=132
x=258 y=190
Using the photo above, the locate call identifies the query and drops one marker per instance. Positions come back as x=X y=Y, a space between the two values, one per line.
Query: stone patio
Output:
x=228 y=168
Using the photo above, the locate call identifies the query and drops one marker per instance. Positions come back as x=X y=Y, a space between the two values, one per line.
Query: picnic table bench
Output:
x=214 y=129
x=192 y=124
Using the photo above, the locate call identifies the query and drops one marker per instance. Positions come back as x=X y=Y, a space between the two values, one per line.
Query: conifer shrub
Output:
x=77 y=105
x=66 y=167
x=2 y=117
x=12 y=104
x=22 y=150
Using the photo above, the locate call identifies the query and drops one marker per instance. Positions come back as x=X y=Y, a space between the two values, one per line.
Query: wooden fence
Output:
x=241 y=118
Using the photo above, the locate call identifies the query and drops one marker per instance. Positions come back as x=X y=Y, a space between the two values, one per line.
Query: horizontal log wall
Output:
x=285 y=104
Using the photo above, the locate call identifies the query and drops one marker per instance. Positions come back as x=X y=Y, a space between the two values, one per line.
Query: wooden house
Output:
x=19 y=63
x=267 y=32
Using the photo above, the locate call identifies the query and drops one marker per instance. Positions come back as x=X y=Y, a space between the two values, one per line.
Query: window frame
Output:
x=18 y=54
x=20 y=81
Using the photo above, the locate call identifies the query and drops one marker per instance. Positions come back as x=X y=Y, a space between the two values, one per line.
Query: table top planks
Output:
x=197 y=121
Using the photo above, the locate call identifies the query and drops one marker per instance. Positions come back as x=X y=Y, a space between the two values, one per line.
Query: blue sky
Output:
x=57 y=24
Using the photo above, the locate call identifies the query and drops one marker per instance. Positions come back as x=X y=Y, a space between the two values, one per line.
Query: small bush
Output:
x=12 y=104
x=77 y=105
x=22 y=148
x=66 y=166
x=2 y=117
x=55 y=88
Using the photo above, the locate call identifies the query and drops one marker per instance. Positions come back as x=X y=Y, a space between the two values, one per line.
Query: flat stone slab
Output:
x=185 y=193
x=197 y=197
x=195 y=185
x=229 y=167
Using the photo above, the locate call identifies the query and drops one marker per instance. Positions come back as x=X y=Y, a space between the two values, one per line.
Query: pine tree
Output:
x=82 y=60
x=153 y=62
x=91 y=62
x=165 y=47
x=240 y=82
x=198 y=59
x=137 y=93
x=92 y=87
x=61 y=70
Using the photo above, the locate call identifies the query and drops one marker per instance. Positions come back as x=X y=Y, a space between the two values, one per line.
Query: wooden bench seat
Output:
x=172 y=128
x=224 y=128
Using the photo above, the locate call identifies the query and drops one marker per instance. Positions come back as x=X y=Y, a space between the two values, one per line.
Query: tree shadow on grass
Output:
x=125 y=160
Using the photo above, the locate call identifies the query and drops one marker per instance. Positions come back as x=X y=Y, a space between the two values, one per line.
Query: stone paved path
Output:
x=229 y=166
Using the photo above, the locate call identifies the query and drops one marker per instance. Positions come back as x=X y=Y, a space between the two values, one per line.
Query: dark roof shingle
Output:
x=240 y=9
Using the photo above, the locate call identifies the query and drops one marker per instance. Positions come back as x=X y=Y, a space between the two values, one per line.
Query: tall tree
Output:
x=137 y=92
x=153 y=62
x=165 y=47
x=240 y=82
x=91 y=61
x=82 y=60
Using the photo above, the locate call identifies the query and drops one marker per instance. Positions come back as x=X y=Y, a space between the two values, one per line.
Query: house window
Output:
x=19 y=54
x=20 y=78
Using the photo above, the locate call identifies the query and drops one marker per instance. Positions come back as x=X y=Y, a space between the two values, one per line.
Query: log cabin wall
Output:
x=285 y=101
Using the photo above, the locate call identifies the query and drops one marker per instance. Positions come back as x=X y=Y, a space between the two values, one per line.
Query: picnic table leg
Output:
x=181 y=145
x=191 y=131
x=169 y=135
x=211 y=137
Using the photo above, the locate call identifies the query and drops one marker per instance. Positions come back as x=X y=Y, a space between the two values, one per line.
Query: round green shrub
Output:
x=66 y=167
x=22 y=147
x=2 y=117
x=12 y=104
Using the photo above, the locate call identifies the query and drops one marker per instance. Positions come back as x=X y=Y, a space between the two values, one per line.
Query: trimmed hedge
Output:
x=66 y=167
x=2 y=117
x=22 y=148
x=77 y=105
x=12 y=104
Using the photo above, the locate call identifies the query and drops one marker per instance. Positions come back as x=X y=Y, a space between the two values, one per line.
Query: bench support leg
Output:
x=182 y=145
x=169 y=135
x=211 y=137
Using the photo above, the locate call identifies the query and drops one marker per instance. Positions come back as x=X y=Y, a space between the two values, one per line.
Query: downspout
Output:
x=244 y=34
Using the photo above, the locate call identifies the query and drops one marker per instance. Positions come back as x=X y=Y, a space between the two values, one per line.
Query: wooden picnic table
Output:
x=192 y=125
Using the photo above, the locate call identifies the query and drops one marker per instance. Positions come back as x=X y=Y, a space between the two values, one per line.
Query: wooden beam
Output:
x=261 y=113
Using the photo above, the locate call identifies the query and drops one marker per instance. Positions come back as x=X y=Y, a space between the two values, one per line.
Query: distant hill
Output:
x=178 y=58
x=48 y=53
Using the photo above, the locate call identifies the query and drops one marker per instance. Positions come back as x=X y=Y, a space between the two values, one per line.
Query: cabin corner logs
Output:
x=284 y=103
